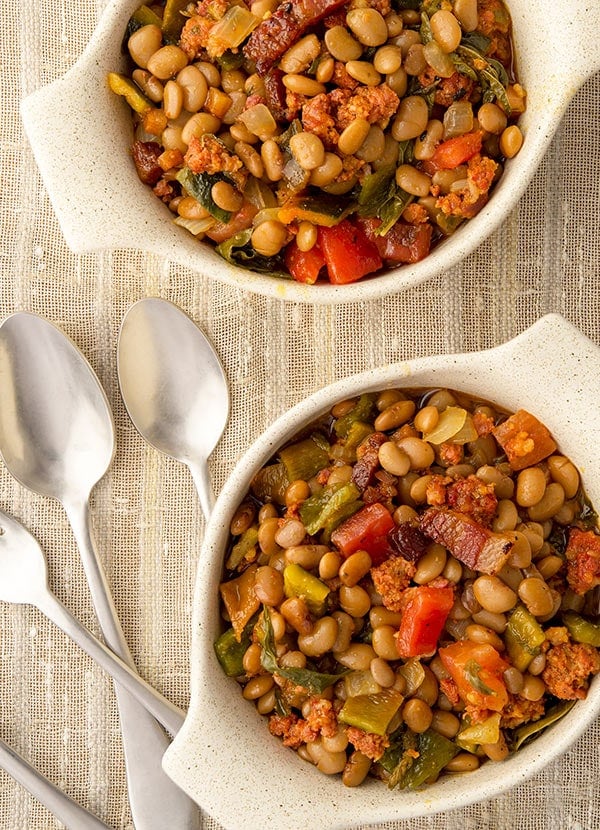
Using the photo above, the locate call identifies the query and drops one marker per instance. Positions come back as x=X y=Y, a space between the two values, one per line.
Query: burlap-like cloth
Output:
x=58 y=709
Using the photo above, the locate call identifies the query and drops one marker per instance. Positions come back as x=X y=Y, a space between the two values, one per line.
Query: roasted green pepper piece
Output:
x=173 y=19
x=230 y=652
x=582 y=630
x=143 y=16
x=528 y=730
x=523 y=637
x=372 y=712
x=435 y=752
x=270 y=484
x=361 y=411
x=304 y=459
x=300 y=583
x=329 y=508
x=121 y=85
x=242 y=547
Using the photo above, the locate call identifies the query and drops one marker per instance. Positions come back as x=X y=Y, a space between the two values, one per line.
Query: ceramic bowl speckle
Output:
x=224 y=756
x=80 y=134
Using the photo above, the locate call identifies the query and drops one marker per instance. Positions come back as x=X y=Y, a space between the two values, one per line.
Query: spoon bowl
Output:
x=173 y=386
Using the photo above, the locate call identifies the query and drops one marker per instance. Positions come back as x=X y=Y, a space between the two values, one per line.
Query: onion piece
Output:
x=454 y=424
x=231 y=30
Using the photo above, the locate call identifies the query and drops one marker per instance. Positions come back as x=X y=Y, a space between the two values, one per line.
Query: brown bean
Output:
x=395 y=415
x=550 y=503
x=257 y=686
x=356 y=769
x=354 y=600
x=167 y=61
x=565 y=473
x=463 y=762
x=354 y=568
x=268 y=585
x=537 y=596
x=531 y=486
x=417 y=715
x=384 y=642
x=321 y=639
x=143 y=43
x=367 y=26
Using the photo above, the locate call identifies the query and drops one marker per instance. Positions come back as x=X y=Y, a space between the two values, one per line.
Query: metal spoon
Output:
x=24 y=580
x=72 y=814
x=173 y=386
x=57 y=439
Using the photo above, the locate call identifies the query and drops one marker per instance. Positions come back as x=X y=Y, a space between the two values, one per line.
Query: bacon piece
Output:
x=367 y=463
x=276 y=95
x=277 y=33
x=583 y=560
x=468 y=541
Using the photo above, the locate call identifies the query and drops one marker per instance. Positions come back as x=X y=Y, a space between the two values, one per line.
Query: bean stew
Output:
x=322 y=139
x=412 y=587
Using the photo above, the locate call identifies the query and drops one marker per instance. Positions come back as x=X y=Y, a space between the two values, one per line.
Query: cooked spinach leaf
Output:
x=199 y=185
x=381 y=197
x=238 y=251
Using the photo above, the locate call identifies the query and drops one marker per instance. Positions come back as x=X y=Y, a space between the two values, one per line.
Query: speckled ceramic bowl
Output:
x=224 y=756
x=101 y=204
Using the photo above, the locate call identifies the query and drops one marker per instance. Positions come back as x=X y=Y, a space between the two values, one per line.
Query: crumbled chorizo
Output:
x=318 y=119
x=415 y=214
x=474 y=497
x=518 y=710
x=373 y=103
x=583 y=560
x=568 y=669
x=342 y=78
x=293 y=730
x=483 y=423
x=448 y=90
x=391 y=579
x=468 y=201
x=322 y=717
x=206 y=154
x=195 y=34
x=450 y=453
x=450 y=689
x=371 y=745
x=367 y=459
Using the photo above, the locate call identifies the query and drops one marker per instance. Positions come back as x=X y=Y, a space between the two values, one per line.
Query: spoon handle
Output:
x=156 y=802
x=163 y=710
x=199 y=471
x=71 y=814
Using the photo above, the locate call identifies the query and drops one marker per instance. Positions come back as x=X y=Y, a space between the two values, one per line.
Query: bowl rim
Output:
x=188 y=754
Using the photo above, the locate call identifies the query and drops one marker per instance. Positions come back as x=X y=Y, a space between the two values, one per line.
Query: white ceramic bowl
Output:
x=80 y=135
x=224 y=756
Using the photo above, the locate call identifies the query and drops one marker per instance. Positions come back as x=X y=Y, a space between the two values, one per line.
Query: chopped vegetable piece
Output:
x=423 y=619
x=477 y=669
x=399 y=243
x=238 y=249
x=360 y=683
x=349 y=253
x=455 y=425
x=456 y=151
x=173 y=19
x=582 y=630
x=305 y=458
x=304 y=266
x=230 y=651
x=366 y=530
x=372 y=712
x=524 y=637
x=434 y=752
x=528 y=730
x=470 y=542
x=324 y=210
x=199 y=185
x=524 y=439
x=270 y=483
x=240 y=600
x=485 y=732
x=361 y=411
x=330 y=507
x=583 y=560
x=121 y=85
x=300 y=583
x=247 y=541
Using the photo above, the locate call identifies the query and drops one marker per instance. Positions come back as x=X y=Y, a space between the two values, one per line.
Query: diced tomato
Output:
x=402 y=243
x=240 y=221
x=304 y=266
x=477 y=670
x=455 y=151
x=349 y=253
x=423 y=618
x=366 y=530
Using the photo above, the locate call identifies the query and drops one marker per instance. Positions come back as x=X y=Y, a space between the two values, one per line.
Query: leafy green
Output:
x=199 y=185
x=528 y=730
x=315 y=682
x=381 y=197
x=330 y=507
x=425 y=31
x=490 y=73
x=476 y=41
x=238 y=250
x=473 y=675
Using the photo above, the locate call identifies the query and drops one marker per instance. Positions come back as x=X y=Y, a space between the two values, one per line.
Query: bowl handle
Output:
x=579 y=38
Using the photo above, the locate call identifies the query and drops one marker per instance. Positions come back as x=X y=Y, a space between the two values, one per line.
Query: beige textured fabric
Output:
x=58 y=709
